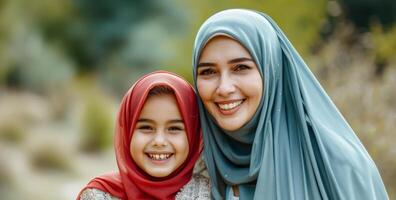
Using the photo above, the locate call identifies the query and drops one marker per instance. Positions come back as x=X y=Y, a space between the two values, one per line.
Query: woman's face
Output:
x=228 y=82
x=159 y=142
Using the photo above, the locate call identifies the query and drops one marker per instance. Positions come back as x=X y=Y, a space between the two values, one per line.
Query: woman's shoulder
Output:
x=198 y=188
x=96 y=194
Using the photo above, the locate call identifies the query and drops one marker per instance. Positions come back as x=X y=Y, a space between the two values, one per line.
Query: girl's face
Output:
x=159 y=142
x=228 y=82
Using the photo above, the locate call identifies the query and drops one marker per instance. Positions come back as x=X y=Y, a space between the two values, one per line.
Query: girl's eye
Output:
x=206 y=72
x=175 y=129
x=145 y=128
x=241 y=67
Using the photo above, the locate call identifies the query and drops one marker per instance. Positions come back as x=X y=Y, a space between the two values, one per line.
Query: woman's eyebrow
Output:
x=205 y=64
x=237 y=60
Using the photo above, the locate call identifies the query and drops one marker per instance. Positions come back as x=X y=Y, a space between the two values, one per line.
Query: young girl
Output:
x=157 y=142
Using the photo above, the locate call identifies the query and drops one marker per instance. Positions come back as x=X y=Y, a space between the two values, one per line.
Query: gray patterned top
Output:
x=198 y=189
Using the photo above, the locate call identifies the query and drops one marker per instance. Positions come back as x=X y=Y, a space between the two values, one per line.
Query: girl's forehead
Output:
x=161 y=107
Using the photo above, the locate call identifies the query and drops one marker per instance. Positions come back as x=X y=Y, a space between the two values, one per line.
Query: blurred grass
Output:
x=49 y=157
x=11 y=133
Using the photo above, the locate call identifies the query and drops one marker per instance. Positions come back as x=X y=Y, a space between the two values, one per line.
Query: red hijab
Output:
x=130 y=182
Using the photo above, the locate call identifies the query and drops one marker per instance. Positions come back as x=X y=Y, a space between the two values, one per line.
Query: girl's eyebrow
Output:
x=235 y=60
x=144 y=120
x=152 y=121
x=176 y=121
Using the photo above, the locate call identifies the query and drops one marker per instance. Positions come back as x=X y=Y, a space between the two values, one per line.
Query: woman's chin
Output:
x=232 y=122
x=230 y=125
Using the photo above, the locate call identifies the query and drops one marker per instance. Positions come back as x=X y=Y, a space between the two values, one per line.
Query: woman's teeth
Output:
x=161 y=156
x=230 y=106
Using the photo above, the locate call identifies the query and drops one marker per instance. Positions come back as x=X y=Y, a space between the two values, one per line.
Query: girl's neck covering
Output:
x=297 y=145
x=130 y=182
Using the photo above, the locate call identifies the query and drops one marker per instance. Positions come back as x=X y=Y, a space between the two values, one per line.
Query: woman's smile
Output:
x=229 y=107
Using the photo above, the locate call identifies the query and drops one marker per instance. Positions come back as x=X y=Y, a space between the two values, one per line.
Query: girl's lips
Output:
x=159 y=158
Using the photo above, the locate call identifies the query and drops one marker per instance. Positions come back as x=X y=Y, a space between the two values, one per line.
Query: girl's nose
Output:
x=160 y=139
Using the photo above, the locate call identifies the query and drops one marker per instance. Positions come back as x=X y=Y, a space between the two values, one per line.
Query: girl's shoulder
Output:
x=198 y=188
x=96 y=194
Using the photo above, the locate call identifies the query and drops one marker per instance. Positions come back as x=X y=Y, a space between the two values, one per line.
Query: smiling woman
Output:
x=270 y=130
x=157 y=142
x=229 y=82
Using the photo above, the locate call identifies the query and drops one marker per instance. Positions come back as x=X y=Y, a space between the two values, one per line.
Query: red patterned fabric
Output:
x=130 y=182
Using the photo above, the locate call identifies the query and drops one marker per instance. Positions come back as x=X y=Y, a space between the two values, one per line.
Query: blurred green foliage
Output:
x=84 y=36
x=49 y=157
x=97 y=120
x=28 y=60
x=362 y=12
x=121 y=40
x=12 y=133
x=96 y=133
x=94 y=30
x=384 y=42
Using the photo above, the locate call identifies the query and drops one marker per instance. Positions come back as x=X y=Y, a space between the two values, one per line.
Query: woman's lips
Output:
x=229 y=107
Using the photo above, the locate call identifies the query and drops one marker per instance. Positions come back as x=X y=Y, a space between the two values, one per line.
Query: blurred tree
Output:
x=119 y=40
x=377 y=20
x=363 y=12
x=96 y=30
x=384 y=47
x=27 y=58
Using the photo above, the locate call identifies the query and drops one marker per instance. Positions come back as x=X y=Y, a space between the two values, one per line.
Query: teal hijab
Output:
x=297 y=146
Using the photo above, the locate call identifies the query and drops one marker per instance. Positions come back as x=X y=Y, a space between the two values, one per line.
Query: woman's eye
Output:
x=241 y=67
x=206 y=72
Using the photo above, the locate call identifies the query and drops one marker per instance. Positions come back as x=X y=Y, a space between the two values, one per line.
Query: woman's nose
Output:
x=225 y=86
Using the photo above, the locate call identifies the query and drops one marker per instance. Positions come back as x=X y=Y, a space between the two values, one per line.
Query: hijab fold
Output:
x=297 y=146
x=130 y=182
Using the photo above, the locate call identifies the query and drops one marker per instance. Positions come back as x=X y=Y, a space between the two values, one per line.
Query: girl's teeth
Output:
x=159 y=156
x=230 y=106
